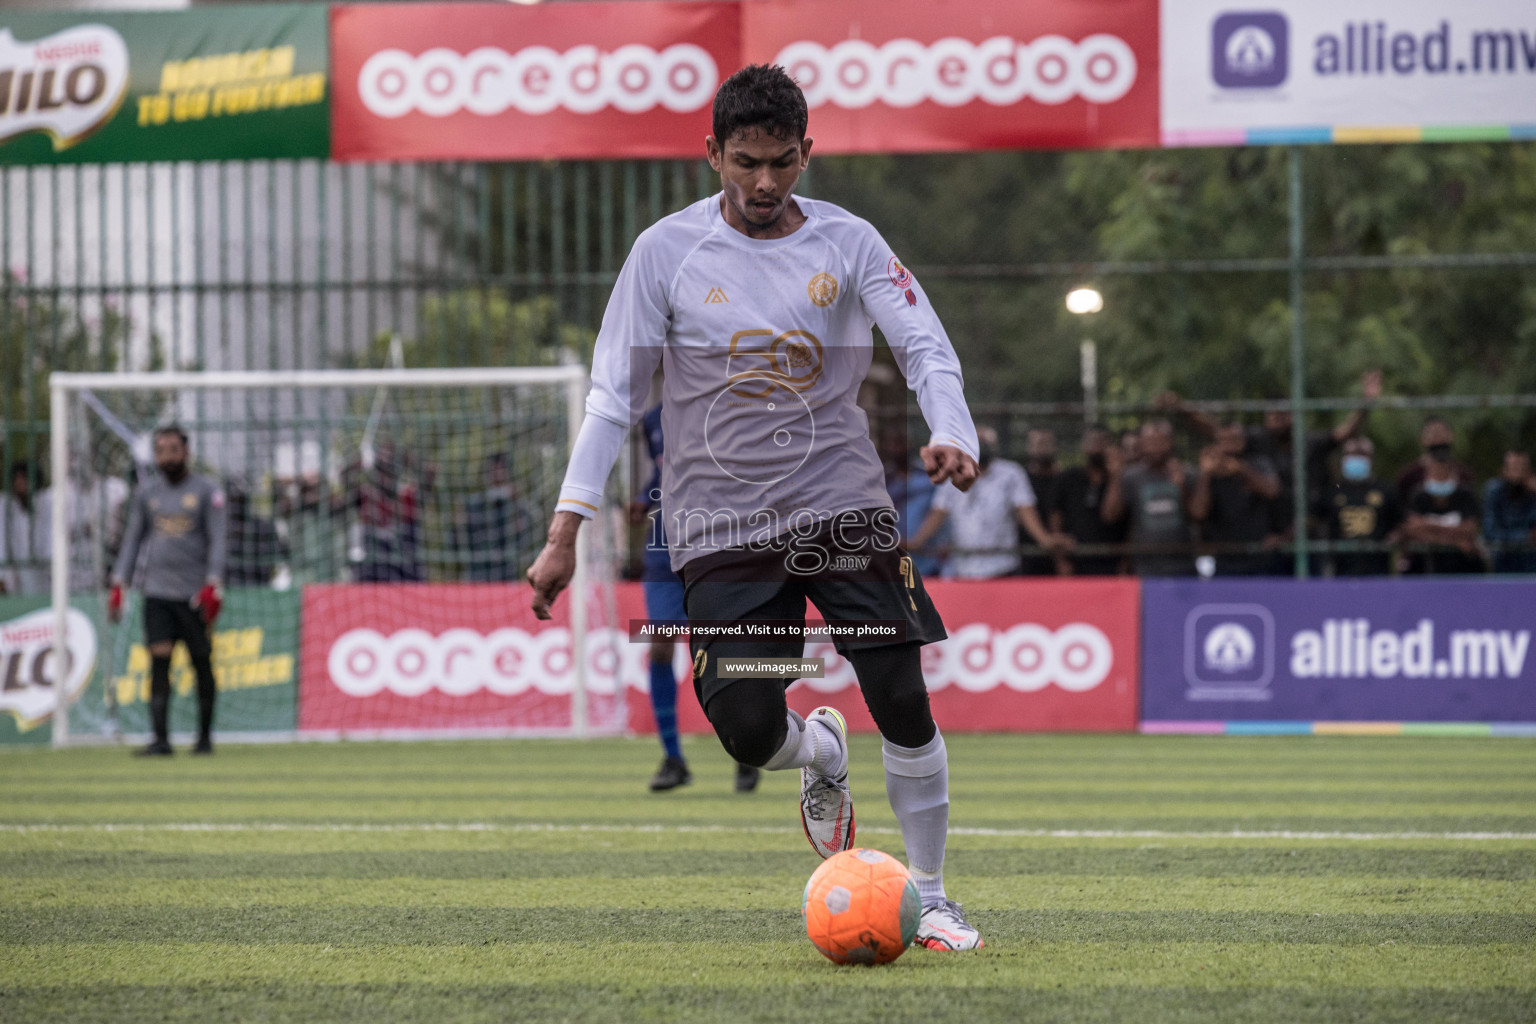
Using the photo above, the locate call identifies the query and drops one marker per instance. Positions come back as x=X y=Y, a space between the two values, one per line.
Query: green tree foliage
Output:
x=483 y=327
x=977 y=226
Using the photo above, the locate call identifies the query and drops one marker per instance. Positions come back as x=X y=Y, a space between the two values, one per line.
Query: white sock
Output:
x=799 y=747
x=831 y=757
x=810 y=745
x=917 y=782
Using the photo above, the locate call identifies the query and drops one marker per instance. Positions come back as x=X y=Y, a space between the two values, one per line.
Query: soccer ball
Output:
x=861 y=907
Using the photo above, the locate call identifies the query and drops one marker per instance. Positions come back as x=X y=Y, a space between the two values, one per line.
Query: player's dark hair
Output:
x=172 y=430
x=760 y=96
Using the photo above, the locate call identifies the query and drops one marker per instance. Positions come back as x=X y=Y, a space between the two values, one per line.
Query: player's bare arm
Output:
x=551 y=572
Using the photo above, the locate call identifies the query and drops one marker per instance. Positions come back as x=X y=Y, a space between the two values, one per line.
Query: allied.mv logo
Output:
x=1250 y=50
x=1229 y=652
x=1229 y=648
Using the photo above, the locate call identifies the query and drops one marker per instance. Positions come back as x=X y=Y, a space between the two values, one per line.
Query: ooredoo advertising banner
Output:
x=1406 y=650
x=504 y=82
x=450 y=657
x=1365 y=71
x=1022 y=656
x=929 y=75
x=234 y=83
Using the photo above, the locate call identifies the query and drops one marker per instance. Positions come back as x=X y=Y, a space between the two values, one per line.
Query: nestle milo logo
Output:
x=67 y=85
x=30 y=678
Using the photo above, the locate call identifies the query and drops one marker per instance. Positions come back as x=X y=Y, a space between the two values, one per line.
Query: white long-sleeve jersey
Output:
x=763 y=345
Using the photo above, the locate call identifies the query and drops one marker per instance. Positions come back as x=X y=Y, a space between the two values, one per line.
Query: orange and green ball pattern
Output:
x=861 y=907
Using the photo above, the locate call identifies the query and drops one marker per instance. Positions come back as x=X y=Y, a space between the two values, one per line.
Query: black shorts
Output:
x=849 y=566
x=167 y=619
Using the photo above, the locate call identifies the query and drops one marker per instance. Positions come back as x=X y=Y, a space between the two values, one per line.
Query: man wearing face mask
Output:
x=1436 y=439
x=1360 y=507
x=1077 y=511
x=177 y=525
x=1443 y=513
x=1509 y=506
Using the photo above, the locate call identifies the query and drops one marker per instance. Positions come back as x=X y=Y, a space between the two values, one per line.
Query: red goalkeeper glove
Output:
x=115 y=604
x=209 y=601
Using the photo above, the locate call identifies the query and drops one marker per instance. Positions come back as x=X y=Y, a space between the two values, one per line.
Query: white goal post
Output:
x=450 y=426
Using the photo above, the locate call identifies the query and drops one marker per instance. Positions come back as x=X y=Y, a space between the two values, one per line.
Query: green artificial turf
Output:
x=1116 y=878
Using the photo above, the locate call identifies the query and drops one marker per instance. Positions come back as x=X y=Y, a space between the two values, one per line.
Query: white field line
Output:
x=656 y=829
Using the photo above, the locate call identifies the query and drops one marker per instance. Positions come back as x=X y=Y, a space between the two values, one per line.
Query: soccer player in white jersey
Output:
x=758 y=305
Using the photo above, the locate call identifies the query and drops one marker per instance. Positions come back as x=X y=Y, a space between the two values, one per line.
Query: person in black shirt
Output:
x=1234 y=500
x=1078 y=506
x=1443 y=512
x=1437 y=441
x=1509 y=514
x=496 y=528
x=253 y=547
x=1359 y=507
x=1040 y=464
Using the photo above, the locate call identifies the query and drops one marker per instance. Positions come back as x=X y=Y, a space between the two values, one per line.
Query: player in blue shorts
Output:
x=664 y=603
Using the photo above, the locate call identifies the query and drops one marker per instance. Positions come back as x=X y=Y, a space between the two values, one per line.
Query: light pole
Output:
x=1083 y=301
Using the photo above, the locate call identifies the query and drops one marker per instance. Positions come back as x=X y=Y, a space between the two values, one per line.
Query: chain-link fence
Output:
x=1238 y=278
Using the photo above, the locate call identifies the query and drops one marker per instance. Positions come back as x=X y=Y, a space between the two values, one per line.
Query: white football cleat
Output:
x=826 y=806
x=944 y=927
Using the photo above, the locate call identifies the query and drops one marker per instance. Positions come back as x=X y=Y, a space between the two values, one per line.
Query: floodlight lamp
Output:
x=1084 y=300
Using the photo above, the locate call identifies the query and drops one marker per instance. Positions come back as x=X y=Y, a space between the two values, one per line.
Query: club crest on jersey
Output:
x=822 y=289
x=189 y=501
x=763 y=360
x=901 y=277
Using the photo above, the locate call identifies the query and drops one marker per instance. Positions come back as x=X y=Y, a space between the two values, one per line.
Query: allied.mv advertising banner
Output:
x=1400 y=650
x=243 y=82
x=1364 y=71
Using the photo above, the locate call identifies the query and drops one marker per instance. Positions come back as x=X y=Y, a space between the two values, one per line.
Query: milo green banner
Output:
x=236 y=82
x=107 y=680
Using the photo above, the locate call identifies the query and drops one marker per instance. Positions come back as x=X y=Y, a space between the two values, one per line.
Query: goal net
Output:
x=378 y=527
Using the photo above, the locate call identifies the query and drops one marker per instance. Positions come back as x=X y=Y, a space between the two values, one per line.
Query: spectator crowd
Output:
x=1132 y=503
x=1136 y=501
x=387 y=520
